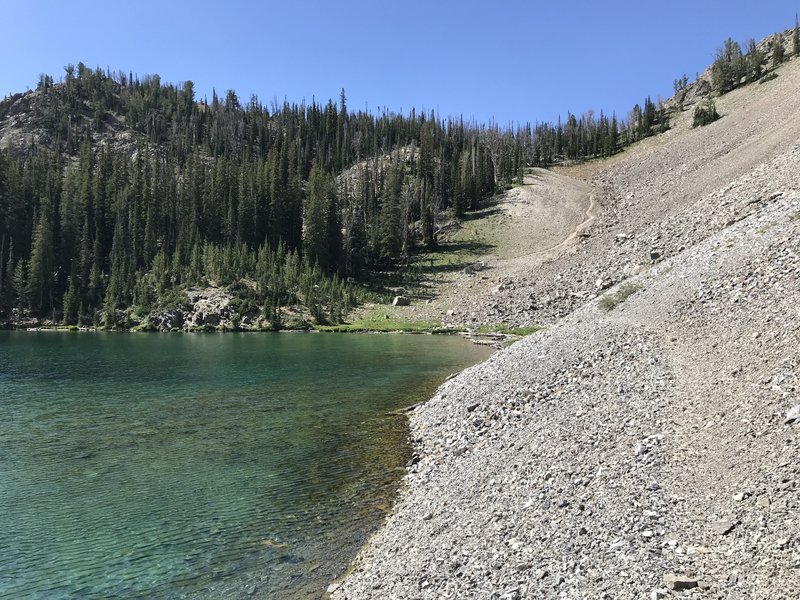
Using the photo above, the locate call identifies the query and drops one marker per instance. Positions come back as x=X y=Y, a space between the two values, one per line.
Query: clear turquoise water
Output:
x=201 y=466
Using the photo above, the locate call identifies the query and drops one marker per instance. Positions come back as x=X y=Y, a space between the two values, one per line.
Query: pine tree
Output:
x=71 y=303
x=459 y=195
x=40 y=273
x=8 y=298
x=390 y=220
x=614 y=135
x=94 y=295
x=755 y=61
x=729 y=67
x=354 y=217
x=19 y=285
x=796 y=36
x=333 y=227
x=778 y=51
x=85 y=257
x=322 y=237
x=648 y=117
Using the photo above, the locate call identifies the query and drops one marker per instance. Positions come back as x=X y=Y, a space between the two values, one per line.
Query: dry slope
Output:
x=637 y=448
x=525 y=227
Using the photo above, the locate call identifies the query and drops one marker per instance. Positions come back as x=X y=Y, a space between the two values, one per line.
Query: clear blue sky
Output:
x=511 y=61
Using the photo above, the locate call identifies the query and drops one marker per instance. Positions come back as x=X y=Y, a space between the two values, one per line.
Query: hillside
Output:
x=127 y=202
x=643 y=445
x=120 y=197
x=528 y=287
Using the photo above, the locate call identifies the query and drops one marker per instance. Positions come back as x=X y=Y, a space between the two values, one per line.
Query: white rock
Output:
x=793 y=415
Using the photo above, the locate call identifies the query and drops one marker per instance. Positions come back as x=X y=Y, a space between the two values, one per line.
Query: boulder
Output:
x=723 y=527
x=401 y=301
x=474 y=267
x=655 y=254
x=602 y=283
x=166 y=320
x=679 y=582
x=793 y=416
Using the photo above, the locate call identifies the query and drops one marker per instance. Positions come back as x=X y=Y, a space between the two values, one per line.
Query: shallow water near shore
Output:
x=201 y=466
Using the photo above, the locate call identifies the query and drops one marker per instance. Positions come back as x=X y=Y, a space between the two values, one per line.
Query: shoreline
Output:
x=172 y=394
x=495 y=339
x=636 y=447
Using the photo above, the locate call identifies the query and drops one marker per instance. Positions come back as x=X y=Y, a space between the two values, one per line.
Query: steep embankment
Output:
x=637 y=447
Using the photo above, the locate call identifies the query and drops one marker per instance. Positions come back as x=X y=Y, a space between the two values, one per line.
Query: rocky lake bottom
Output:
x=187 y=466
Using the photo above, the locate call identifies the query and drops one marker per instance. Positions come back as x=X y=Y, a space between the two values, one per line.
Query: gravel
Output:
x=645 y=451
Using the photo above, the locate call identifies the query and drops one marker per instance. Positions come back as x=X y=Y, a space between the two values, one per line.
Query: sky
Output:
x=508 y=62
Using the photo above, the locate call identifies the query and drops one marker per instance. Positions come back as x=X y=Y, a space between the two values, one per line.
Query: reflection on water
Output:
x=185 y=466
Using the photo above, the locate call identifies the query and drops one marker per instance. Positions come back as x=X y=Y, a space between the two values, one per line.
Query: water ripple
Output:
x=200 y=466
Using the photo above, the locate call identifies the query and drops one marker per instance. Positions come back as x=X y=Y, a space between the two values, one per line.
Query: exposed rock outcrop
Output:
x=206 y=309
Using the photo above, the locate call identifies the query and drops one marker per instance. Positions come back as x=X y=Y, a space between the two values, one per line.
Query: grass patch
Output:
x=386 y=326
x=384 y=319
x=463 y=249
x=519 y=331
x=795 y=216
x=765 y=228
x=475 y=235
x=611 y=301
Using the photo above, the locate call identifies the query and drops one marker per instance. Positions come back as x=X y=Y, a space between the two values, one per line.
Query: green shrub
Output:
x=244 y=306
x=768 y=77
x=241 y=290
x=172 y=299
x=704 y=113
x=611 y=301
x=297 y=324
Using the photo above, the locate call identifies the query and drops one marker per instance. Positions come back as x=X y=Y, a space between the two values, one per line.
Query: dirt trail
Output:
x=541 y=215
x=579 y=230
x=528 y=225
x=644 y=445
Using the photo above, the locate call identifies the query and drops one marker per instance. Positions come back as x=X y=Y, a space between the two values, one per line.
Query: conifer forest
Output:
x=129 y=190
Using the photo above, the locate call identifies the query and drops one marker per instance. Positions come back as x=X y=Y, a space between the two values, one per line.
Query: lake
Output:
x=201 y=465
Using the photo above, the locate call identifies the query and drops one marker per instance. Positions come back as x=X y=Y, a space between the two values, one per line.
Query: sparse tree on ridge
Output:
x=778 y=50
x=705 y=112
x=755 y=60
x=680 y=85
x=728 y=68
x=796 y=36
